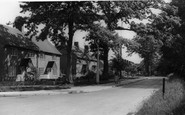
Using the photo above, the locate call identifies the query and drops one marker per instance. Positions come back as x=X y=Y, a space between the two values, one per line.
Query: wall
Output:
x=12 y=59
x=43 y=61
x=11 y=62
x=2 y=63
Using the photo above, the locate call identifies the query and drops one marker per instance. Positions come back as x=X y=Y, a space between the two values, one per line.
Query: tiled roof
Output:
x=46 y=46
x=13 y=37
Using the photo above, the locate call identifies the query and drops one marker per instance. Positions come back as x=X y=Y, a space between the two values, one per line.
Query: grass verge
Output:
x=172 y=104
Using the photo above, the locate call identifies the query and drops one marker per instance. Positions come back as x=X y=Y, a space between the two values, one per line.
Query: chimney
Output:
x=86 y=49
x=76 y=44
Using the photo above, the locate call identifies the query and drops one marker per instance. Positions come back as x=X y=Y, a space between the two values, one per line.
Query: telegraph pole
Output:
x=120 y=57
x=98 y=64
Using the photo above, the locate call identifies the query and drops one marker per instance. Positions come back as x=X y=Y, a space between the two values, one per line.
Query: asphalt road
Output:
x=115 y=101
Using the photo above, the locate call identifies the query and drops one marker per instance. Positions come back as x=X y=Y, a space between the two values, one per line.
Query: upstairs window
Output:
x=31 y=55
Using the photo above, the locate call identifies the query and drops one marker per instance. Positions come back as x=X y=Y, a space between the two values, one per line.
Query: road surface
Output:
x=115 y=101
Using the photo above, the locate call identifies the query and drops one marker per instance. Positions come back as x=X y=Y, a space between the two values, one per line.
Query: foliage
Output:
x=173 y=61
x=113 y=11
x=156 y=105
x=132 y=69
x=100 y=36
x=119 y=64
x=153 y=37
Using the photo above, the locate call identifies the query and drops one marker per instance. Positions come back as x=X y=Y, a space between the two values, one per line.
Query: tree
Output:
x=113 y=11
x=98 y=37
x=157 y=35
x=173 y=61
x=19 y=22
x=119 y=64
x=56 y=18
x=149 y=46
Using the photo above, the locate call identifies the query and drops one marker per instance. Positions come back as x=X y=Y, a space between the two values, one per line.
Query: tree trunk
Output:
x=147 y=66
x=69 y=47
x=106 y=63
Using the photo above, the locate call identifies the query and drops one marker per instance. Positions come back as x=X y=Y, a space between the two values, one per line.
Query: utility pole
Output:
x=98 y=64
x=120 y=57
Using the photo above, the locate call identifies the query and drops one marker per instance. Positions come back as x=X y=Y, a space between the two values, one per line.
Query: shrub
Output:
x=156 y=105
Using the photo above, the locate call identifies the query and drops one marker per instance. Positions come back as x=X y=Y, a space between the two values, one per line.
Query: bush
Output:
x=156 y=105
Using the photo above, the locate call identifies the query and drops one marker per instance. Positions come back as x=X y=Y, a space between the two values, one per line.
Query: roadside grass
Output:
x=28 y=86
x=173 y=102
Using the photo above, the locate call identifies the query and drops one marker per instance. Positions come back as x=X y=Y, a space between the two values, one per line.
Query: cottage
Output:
x=23 y=57
x=82 y=61
x=48 y=60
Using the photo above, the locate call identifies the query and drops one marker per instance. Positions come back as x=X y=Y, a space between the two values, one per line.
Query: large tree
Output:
x=57 y=17
x=157 y=36
x=173 y=52
x=149 y=45
x=113 y=11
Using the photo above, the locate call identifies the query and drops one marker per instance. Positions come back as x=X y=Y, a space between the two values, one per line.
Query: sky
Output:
x=9 y=9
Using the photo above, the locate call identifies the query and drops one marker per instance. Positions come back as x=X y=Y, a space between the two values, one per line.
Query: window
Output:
x=12 y=71
x=31 y=54
x=41 y=70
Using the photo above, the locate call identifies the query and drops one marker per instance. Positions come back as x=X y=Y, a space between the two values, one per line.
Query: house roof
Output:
x=46 y=46
x=13 y=37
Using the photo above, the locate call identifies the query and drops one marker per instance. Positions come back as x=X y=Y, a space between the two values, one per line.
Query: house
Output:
x=48 y=60
x=82 y=61
x=19 y=54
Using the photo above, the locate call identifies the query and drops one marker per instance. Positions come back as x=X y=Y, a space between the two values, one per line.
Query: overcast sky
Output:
x=9 y=9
